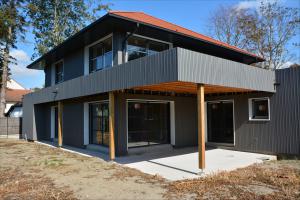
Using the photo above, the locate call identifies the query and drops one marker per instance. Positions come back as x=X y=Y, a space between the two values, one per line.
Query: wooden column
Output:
x=201 y=125
x=111 y=126
x=60 y=131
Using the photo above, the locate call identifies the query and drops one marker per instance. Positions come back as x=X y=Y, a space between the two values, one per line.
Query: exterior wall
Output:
x=281 y=133
x=73 y=67
x=73 y=124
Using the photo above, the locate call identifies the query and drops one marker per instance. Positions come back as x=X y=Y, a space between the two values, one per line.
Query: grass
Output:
x=254 y=182
x=14 y=184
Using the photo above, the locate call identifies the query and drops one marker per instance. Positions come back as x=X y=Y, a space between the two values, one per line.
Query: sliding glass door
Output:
x=148 y=123
x=99 y=126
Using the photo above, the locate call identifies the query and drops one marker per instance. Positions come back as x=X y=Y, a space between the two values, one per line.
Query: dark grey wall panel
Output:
x=47 y=76
x=74 y=65
x=282 y=133
x=73 y=124
x=201 y=68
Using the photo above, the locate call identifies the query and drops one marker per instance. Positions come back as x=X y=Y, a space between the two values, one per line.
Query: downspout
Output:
x=125 y=40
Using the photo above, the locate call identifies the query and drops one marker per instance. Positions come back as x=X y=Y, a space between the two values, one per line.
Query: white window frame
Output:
x=87 y=53
x=148 y=38
x=250 y=109
x=53 y=72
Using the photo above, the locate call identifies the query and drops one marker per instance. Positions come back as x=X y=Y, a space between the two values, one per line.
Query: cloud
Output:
x=254 y=4
x=18 y=68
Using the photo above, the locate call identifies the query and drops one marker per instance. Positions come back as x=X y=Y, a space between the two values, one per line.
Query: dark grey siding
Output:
x=47 y=76
x=185 y=119
x=73 y=124
x=201 y=68
x=42 y=121
x=74 y=65
x=282 y=133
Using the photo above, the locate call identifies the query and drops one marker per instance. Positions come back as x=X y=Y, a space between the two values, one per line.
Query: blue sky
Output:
x=192 y=14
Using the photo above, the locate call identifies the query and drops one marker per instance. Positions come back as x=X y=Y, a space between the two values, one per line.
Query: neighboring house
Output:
x=14 y=94
x=130 y=80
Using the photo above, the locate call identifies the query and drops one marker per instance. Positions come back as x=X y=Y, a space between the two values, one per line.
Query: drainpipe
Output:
x=125 y=40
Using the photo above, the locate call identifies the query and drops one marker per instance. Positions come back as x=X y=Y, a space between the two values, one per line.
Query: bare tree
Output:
x=224 y=26
x=265 y=31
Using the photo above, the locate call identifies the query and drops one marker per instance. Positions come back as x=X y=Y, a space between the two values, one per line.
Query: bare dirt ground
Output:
x=34 y=171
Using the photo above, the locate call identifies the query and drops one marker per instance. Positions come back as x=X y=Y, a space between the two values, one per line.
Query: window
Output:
x=259 y=109
x=59 y=72
x=100 y=55
x=138 y=47
x=99 y=124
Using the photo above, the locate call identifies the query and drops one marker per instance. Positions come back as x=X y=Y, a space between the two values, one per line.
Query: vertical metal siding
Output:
x=201 y=68
x=282 y=133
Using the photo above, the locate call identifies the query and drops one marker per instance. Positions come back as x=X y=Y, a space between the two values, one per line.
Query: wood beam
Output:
x=111 y=125
x=60 y=131
x=201 y=125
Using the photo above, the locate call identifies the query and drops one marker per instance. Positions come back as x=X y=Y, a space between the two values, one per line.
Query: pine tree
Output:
x=12 y=22
x=55 y=20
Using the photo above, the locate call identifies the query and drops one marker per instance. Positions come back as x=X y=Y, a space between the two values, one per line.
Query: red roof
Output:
x=150 y=20
x=13 y=95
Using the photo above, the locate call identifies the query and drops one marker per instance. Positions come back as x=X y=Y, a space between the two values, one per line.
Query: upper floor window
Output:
x=59 y=72
x=138 y=47
x=100 y=55
x=259 y=109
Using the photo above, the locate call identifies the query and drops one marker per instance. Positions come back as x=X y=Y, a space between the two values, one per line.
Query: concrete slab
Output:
x=184 y=165
x=177 y=164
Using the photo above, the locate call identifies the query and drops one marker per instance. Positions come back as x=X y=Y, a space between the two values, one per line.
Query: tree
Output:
x=224 y=26
x=12 y=22
x=55 y=20
x=265 y=31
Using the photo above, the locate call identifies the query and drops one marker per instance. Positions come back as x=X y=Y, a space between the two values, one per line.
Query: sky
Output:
x=191 y=14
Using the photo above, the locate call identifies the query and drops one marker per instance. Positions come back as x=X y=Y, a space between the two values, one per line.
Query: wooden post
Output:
x=201 y=125
x=111 y=126
x=60 y=131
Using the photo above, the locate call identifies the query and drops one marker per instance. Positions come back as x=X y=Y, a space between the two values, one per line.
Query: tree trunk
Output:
x=4 y=76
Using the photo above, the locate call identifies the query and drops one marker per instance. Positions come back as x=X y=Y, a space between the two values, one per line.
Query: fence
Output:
x=10 y=127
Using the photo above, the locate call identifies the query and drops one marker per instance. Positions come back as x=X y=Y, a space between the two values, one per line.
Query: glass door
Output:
x=99 y=124
x=220 y=122
x=148 y=123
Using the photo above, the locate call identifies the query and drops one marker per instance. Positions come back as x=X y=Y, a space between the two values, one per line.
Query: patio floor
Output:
x=178 y=164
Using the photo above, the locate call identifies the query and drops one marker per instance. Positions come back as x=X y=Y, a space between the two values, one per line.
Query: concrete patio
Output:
x=177 y=164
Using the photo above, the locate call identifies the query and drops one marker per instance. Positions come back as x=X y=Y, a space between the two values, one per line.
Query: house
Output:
x=131 y=80
x=14 y=94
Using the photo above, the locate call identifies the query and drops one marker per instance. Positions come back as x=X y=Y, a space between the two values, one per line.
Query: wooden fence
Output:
x=10 y=127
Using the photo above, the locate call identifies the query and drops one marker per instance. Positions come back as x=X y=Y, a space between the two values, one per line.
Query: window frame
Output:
x=87 y=53
x=144 y=37
x=250 y=108
x=63 y=71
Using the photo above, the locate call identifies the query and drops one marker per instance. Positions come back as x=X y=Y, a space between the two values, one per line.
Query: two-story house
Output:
x=131 y=80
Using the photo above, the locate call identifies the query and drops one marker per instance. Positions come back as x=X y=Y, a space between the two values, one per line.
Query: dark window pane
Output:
x=138 y=47
x=260 y=109
x=148 y=123
x=59 y=72
x=155 y=47
x=100 y=55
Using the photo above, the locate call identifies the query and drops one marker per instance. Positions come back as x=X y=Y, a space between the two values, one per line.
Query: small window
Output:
x=100 y=55
x=59 y=72
x=259 y=109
